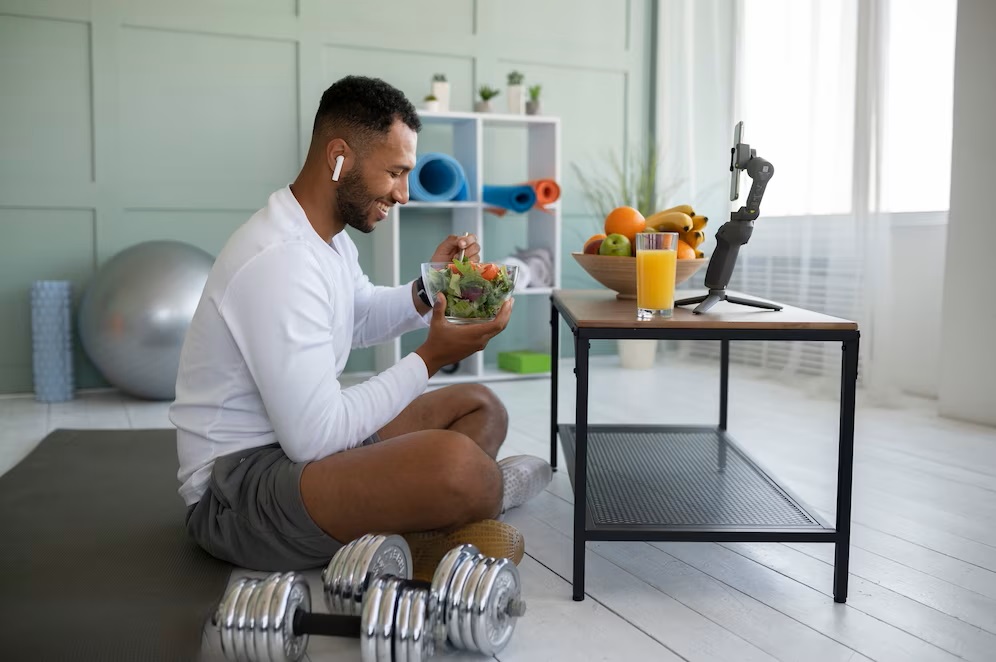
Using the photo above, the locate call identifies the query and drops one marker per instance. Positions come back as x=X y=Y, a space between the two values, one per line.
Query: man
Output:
x=279 y=464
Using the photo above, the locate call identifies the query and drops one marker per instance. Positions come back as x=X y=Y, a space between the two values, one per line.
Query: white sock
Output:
x=525 y=476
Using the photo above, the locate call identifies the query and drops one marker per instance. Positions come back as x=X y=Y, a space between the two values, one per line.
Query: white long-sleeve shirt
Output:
x=261 y=360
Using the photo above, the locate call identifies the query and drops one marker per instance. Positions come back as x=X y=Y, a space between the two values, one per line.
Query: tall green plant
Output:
x=632 y=184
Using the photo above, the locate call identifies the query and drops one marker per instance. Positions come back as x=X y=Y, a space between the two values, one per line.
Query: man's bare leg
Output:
x=470 y=409
x=435 y=479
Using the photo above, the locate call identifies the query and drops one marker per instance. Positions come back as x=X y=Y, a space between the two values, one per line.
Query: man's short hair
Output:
x=360 y=109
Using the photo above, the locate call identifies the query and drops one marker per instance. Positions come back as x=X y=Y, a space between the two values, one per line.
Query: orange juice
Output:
x=655 y=270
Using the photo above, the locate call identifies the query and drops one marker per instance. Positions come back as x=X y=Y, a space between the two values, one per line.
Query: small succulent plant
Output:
x=439 y=78
x=487 y=92
x=515 y=78
x=430 y=97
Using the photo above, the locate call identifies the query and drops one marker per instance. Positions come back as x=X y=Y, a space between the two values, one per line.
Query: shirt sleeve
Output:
x=279 y=312
x=382 y=313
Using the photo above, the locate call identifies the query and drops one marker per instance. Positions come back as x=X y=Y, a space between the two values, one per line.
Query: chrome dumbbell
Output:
x=471 y=604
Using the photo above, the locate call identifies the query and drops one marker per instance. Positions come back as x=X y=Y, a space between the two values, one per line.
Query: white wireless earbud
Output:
x=338 y=167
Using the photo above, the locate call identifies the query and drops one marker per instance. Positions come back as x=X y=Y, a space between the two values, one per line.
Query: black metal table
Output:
x=690 y=483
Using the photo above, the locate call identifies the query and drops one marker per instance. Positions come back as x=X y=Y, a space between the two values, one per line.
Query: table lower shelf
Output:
x=684 y=483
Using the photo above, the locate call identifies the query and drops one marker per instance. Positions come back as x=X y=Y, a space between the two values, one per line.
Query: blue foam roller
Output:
x=437 y=178
x=51 y=340
x=516 y=198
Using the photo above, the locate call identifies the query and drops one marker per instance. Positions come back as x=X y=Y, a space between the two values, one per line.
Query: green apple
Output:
x=616 y=244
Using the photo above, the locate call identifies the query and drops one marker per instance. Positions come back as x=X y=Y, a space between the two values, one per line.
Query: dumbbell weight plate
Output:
x=380 y=607
x=350 y=576
x=402 y=626
x=492 y=625
x=290 y=594
x=261 y=620
x=388 y=618
x=467 y=601
x=385 y=555
x=443 y=577
x=240 y=631
x=224 y=617
x=332 y=576
x=422 y=627
x=370 y=619
x=341 y=577
x=454 y=601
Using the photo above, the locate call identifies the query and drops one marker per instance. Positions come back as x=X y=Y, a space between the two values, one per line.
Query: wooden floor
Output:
x=923 y=562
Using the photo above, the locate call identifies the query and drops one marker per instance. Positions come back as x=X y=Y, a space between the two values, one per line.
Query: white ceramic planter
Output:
x=482 y=107
x=433 y=106
x=441 y=90
x=637 y=354
x=517 y=99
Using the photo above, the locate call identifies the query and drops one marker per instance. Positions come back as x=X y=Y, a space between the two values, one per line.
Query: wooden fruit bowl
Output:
x=619 y=273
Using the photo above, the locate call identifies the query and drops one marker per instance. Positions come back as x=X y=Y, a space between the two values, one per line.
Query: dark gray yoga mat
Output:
x=94 y=560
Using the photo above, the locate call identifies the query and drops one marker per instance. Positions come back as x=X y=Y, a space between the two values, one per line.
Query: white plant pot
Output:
x=441 y=90
x=517 y=99
x=432 y=106
x=637 y=354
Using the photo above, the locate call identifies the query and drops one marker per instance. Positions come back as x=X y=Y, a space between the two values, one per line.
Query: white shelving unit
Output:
x=543 y=228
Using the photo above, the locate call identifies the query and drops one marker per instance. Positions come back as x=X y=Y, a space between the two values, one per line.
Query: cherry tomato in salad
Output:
x=488 y=271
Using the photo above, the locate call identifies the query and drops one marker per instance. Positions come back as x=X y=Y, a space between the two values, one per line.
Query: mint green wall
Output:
x=123 y=121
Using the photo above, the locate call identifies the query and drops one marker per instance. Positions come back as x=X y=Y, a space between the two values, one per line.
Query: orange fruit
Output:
x=625 y=221
x=685 y=252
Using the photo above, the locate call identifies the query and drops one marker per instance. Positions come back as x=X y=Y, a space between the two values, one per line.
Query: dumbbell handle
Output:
x=334 y=625
x=327 y=625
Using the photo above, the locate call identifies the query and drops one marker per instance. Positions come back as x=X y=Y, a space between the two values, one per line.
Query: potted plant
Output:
x=431 y=103
x=516 y=93
x=441 y=90
x=633 y=180
x=533 y=105
x=487 y=94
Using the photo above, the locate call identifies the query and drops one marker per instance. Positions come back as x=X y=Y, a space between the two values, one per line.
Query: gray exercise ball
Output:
x=135 y=313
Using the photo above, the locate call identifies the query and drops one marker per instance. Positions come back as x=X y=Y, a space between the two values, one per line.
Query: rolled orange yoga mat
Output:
x=547 y=191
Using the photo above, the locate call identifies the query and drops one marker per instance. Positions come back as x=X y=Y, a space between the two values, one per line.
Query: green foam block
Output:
x=524 y=362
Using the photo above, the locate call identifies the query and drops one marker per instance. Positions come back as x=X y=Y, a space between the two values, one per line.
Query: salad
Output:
x=473 y=290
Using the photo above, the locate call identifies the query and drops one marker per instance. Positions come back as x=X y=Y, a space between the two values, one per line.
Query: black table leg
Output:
x=554 y=365
x=724 y=387
x=845 y=462
x=581 y=347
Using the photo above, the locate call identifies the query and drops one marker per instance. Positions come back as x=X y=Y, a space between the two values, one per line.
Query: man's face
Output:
x=379 y=179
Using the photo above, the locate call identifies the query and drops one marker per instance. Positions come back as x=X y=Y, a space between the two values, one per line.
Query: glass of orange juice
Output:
x=656 y=263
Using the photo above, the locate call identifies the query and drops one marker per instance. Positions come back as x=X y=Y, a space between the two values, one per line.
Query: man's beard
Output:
x=353 y=202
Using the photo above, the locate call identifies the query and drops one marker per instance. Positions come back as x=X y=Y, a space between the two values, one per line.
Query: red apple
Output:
x=591 y=248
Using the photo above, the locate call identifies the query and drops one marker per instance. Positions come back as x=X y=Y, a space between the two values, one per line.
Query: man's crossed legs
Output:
x=433 y=470
x=432 y=478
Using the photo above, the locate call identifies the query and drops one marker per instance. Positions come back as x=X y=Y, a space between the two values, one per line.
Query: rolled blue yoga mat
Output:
x=516 y=198
x=51 y=340
x=437 y=178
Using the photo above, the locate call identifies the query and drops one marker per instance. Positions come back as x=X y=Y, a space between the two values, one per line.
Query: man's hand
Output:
x=448 y=343
x=451 y=247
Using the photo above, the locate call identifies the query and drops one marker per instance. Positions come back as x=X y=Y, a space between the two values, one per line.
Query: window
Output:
x=798 y=73
x=916 y=159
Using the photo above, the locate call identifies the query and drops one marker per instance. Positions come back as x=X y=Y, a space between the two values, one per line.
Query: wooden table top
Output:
x=601 y=309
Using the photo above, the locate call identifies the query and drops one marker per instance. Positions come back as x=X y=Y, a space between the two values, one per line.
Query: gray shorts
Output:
x=253 y=516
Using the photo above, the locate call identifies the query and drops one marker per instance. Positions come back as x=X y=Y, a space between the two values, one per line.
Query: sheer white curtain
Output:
x=811 y=81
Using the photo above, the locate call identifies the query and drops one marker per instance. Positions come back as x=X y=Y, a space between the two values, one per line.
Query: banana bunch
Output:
x=683 y=220
x=696 y=235
x=675 y=219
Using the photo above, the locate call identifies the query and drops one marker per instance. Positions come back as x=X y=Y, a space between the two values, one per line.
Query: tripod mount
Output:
x=736 y=232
